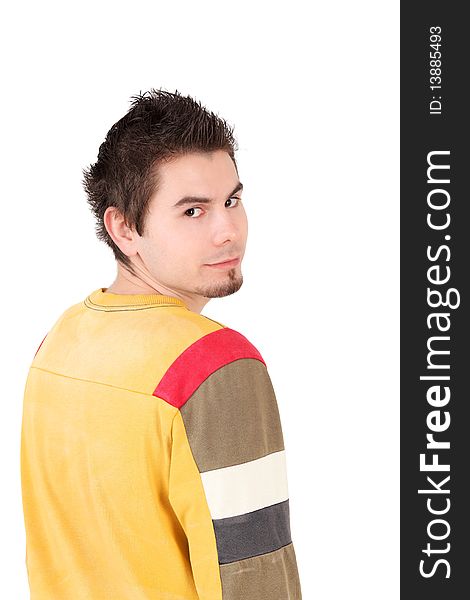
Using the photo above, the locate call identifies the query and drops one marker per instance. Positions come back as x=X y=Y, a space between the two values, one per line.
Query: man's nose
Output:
x=225 y=229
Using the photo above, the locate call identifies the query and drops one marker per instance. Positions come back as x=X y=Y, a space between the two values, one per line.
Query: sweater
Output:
x=152 y=459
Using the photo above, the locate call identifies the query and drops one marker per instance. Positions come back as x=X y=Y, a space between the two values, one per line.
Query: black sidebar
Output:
x=434 y=301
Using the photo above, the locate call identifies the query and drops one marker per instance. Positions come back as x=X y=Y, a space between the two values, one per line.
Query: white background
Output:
x=312 y=89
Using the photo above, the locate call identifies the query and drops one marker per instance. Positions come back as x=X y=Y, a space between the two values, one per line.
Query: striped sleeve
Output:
x=230 y=491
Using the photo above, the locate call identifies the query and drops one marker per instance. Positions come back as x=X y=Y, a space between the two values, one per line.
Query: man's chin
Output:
x=222 y=288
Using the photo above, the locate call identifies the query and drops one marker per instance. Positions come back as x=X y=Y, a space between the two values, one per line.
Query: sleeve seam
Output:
x=171 y=447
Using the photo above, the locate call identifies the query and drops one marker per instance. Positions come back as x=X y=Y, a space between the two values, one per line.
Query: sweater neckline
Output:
x=108 y=300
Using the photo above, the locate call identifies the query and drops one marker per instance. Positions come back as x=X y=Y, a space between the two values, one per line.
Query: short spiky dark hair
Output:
x=160 y=125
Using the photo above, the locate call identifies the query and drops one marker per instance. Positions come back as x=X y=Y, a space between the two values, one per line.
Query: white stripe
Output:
x=239 y=489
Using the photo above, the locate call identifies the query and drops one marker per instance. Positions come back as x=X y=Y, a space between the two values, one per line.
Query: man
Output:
x=152 y=455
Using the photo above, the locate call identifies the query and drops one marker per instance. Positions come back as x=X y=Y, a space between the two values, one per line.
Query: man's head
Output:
x=166 y=150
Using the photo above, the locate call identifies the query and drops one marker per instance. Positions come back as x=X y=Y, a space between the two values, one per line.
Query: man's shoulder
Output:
x=198 y=339
x=214 y=353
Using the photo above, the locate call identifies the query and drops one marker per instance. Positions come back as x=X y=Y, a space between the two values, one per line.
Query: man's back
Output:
x=152 y=459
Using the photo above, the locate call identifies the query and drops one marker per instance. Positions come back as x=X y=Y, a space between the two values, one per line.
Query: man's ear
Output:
x=119 y=231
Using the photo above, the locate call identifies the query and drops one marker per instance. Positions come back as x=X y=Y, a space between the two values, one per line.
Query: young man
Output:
x=152 y=455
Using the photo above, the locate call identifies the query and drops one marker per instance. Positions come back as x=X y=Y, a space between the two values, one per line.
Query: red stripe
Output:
x=40 y=344
x=200 y=360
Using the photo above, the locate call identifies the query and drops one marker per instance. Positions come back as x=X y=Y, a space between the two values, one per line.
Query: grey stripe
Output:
x=253 y=533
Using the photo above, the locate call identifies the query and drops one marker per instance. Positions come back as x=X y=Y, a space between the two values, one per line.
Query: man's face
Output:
x=179 y=242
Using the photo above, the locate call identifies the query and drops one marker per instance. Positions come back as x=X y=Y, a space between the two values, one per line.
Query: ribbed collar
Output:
x=101 y=300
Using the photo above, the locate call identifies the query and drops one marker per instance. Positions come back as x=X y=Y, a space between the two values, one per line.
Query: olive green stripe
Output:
x=233 y=416
x=265 y=577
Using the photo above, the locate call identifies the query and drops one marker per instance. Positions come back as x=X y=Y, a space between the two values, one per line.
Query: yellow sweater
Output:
x=152 y=459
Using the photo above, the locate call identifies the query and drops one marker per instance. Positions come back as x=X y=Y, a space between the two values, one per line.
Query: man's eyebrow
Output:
x=193 y=199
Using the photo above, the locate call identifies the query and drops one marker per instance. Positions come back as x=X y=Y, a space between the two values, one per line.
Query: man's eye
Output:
x=235 y=198
x=198 y=208
x=192 y=208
